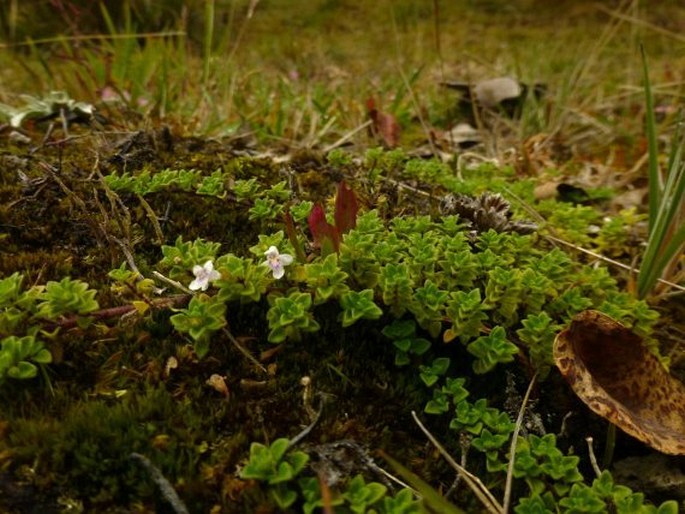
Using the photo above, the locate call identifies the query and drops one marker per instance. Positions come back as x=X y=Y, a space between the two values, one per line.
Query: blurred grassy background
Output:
x=300 y=71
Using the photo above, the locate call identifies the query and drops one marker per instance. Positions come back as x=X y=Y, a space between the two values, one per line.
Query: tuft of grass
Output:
x=666 y=205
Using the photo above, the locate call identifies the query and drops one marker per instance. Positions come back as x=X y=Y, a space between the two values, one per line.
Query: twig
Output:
x=167 y=490
x=172 y=283
x=482 y=492
x=152 y=216
x=295 y=440
x=244 y=351
x=393 y=478
x=347 y=136
x=417 y=106
x=611 y=261
x=112 y=312
x=512 y=452
x=593 y=459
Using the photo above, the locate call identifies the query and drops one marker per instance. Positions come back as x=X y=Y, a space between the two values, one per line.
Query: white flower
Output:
x=276 y=261
x=203 y=276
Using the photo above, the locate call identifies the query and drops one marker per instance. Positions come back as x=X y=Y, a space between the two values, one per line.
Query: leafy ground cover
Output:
x=251 y=265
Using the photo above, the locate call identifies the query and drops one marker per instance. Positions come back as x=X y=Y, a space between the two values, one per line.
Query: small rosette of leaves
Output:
x=491 y=350
x=213 y=185
x=452 y=392
x=431 y=374
x=466 y=312
x=265 y=209
x=248 y=189
x=276 y=466
x=180 y=258
x=203 y=316
x=631 y=312
x=429 y=306
x=538 y=459
x=396 y=287
x=538 y=335
x=19 y=356
x=423 y=247
x=12 y=312
x=459 y=268
x=358 y=305
x=242 y=279
x=603 y=496
x=66 y=297
x=503 y=294
x=128 y=283
x=358 y=257
x=491 y=427
x=326 y=279
x=360 y=496
x=290 y=316
x=300 y=210
x=405 y=340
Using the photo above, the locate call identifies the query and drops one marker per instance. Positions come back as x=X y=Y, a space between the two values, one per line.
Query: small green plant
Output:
x=326 y=279
x=19 y=357
x=405 y=340
x=538 y=335
x=397 y=287
x=431 y=374
x=428 y=307
x=203 y=316
x=503 y=292
x=300 y=210
x=491 y=350
x=452 y=392
x=276 y=466
x=265 y=209
x=467 y=313
x=290 y=316
x=360 y=496
x=358 y=305
x=66 y=297
x=241 y=279
x=213 y=185
x=12 y=312
x=180 y=258
x=247 y=189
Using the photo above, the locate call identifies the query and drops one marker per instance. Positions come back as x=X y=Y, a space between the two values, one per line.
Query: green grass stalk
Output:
x=666 y=233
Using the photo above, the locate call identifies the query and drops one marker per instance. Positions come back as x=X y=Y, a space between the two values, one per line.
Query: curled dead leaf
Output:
x=614 y=373
x=218 y=383
x=171 y=364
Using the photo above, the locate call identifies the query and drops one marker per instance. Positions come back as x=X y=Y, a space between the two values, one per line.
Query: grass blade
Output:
x=653 y=167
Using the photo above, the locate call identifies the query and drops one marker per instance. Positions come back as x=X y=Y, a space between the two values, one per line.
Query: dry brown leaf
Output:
x=614 y=373
x=383 y=124
x=218 y=383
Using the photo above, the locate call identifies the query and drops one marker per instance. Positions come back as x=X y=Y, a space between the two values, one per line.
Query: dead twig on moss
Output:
x=168 y=492
x=506 y=501
x=479 y=489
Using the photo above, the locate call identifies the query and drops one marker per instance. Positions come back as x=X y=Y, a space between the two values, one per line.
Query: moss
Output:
x=87 y=449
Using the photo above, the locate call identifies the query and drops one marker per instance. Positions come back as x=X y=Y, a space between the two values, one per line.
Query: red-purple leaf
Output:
x=324 y=233
x=346 y=209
